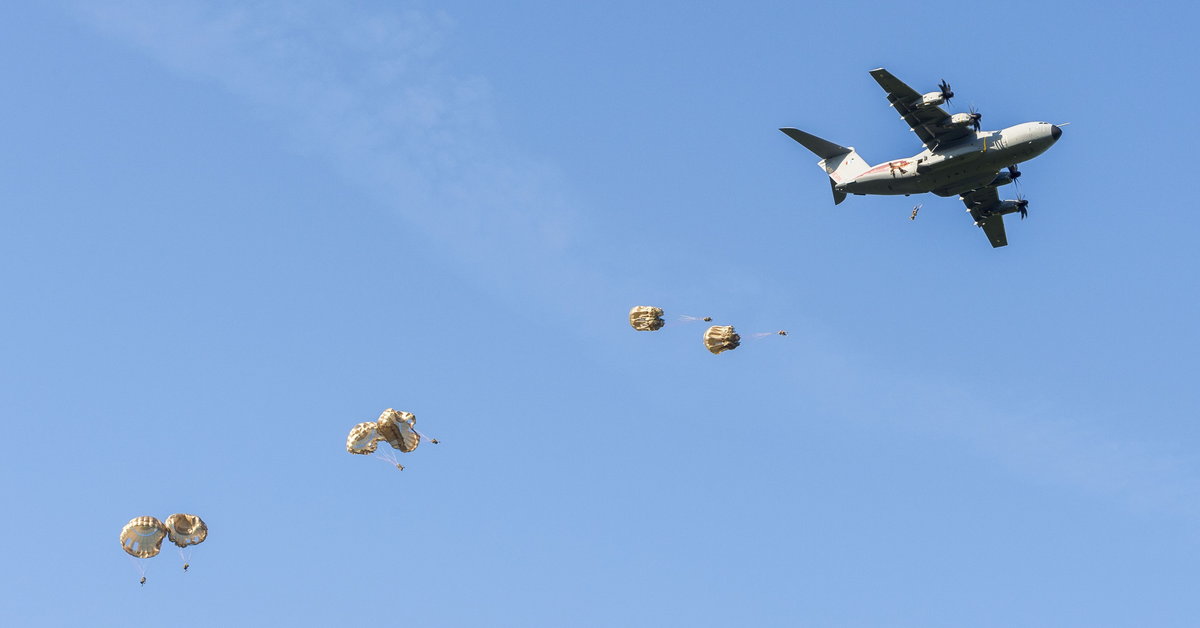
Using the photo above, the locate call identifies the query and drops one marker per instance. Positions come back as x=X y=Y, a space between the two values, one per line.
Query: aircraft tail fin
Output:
x=843 y=164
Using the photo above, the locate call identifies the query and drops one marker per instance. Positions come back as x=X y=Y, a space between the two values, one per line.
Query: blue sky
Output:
x=234 y=230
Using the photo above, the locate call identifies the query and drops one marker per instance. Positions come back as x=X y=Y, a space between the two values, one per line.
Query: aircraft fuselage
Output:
x=968 y=164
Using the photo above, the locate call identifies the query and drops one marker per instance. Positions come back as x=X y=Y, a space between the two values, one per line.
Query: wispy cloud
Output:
x=369 y=92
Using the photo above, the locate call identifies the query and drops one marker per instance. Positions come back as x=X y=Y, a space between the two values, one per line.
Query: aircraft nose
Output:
x=1055 y=132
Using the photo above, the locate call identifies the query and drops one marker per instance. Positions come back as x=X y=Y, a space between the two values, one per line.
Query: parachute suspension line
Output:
x=389 y=458
x=432 y=440
x=141 y=567
x=686 y=318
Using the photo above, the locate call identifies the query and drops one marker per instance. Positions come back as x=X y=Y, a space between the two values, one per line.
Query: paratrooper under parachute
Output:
x=142 y=537
x=394 y=427
x=184 y=530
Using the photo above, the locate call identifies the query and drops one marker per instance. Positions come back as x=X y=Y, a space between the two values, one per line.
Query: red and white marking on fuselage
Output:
x=892 y=166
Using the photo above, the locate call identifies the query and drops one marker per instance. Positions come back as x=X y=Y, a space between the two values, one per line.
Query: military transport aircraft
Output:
x=958 y=158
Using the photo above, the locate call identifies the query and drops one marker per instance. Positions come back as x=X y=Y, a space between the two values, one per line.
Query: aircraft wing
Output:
x=926 y=122
x=979 y=203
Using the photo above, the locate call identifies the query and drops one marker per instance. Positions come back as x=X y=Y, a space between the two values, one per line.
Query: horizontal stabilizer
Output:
x=822 y=148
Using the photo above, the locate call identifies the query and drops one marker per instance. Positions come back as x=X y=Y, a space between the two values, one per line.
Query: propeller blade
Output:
x=975 y=117
x=947 y=93
x=1015 y=174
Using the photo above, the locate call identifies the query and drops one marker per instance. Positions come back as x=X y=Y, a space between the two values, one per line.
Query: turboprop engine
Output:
x=1006 y=176
x=931 y=99
x=964 y=120
x=1012 y=207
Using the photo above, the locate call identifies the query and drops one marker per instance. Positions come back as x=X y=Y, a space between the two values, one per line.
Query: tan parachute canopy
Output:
x=720 y=338
x=185 y=530
x=397 y=429
x=142 y=537
x=646 y=318
x=363 y=438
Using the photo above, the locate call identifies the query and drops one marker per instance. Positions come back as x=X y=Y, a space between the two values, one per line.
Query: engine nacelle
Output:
x=1004 y=178
x=1010 y=207
x=932 y=99
x=959 y=119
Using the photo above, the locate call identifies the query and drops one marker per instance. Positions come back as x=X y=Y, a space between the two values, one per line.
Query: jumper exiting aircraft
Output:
x=958 y=158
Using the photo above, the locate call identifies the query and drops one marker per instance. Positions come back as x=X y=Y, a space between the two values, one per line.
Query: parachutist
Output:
x=782 y=332
x=142 y=537
x=707 y=319
x=434 y=441
x=394 y=427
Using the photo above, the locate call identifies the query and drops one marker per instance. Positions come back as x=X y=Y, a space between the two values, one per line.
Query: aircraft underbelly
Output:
x=951 y=176
x=973 y=170
x=960 y=172
x=964 y=184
